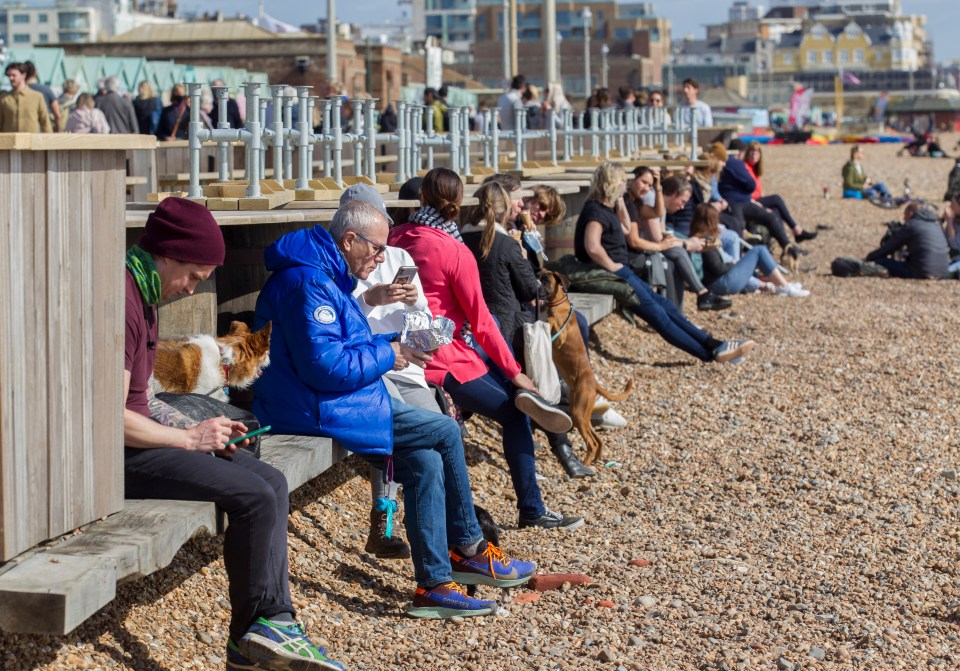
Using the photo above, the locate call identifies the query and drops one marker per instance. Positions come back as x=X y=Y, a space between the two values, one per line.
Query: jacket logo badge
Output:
x=325 y=314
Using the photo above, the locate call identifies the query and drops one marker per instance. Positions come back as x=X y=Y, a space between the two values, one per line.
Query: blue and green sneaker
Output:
x=268 y=645
x=490 y=566
x=448 y=600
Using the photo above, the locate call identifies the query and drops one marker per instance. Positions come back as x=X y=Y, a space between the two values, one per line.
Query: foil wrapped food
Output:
x=423 y=333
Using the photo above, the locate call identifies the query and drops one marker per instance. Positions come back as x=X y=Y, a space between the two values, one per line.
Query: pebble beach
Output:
x=800 y=510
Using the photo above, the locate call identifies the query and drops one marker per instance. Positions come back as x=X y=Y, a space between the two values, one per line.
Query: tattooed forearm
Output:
x=166 y=414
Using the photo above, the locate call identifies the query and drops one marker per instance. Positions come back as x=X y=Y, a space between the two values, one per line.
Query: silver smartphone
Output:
x=405 y=275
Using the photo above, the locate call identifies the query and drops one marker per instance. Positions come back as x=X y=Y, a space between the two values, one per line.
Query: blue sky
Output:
x=687 y=16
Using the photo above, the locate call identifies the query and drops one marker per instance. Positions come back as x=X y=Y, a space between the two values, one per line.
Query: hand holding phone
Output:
x=252 y=434
x=405 y=275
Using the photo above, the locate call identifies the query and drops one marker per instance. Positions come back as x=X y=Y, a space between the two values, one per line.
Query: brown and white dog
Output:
x=570 y=358
x=206 y=365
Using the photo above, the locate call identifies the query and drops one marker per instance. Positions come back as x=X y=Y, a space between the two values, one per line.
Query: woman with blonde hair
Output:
x=499 y=391
x=600 y=239
x=86 y=118
x=510 y=287
x=147 y=107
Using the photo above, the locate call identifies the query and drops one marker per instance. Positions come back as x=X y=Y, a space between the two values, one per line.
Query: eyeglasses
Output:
x=377 y=249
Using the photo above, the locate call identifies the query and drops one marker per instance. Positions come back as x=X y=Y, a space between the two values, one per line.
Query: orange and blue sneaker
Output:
x=448 y=600
x=268 y=645
x=490 y=566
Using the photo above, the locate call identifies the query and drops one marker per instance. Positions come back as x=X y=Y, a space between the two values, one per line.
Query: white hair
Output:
x=357 y=216
x=112 y=83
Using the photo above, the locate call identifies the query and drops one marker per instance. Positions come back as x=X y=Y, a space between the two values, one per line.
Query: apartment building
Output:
x=22 y=26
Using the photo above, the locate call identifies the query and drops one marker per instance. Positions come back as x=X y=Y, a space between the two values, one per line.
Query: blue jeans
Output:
x=876 y=189
x=737 y=278
x=730 y=242
x=492 y=396
x=667 y=320
x=437 y=504
x=898 y=269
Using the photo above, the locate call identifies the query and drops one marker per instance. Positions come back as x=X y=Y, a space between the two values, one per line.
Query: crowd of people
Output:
x=32 y=107
x=340 y=301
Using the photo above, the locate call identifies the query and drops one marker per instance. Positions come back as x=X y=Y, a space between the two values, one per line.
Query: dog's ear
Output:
x=564 y=280
x=264 y=333
x=237 y=328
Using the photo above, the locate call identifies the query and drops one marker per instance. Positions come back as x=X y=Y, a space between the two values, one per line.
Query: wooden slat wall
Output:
x=61 y=342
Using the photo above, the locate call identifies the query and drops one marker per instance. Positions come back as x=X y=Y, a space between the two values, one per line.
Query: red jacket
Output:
x=758 y=192
x=451 y=283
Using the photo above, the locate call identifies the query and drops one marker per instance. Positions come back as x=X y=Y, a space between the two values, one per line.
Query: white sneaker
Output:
x=793 y=290
x=610 y=419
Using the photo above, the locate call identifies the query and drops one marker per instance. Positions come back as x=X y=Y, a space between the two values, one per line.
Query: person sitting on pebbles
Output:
x=325 y=379
x=857 y=184
x=724 y=277
x=928 y=255
x=600 y=239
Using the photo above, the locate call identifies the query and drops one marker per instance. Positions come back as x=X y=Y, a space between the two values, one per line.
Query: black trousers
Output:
x=255 y=499
x=755 y=214
x=776 y=204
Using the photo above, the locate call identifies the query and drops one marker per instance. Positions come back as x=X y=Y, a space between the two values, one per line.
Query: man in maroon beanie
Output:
x=169 y=456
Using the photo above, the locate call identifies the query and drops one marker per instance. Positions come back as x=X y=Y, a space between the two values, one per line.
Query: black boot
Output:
x=377 y=542
x=573 y=466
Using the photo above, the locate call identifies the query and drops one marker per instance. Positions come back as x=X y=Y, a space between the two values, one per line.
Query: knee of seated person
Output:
x=258 y=499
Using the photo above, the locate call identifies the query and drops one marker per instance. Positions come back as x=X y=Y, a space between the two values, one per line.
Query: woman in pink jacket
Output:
x=451 y=284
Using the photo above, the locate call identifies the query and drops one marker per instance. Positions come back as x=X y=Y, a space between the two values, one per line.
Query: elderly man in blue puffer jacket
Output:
x=325 y=379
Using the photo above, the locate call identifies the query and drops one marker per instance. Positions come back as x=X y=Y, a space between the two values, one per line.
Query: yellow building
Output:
x=867 y=44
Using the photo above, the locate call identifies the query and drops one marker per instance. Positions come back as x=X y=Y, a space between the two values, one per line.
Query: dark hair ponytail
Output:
x=442 y=189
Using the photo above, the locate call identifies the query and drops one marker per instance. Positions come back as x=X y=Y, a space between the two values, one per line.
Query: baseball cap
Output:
x=368 y=194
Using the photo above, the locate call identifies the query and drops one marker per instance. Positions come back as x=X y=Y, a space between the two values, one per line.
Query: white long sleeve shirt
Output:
x=389 y=318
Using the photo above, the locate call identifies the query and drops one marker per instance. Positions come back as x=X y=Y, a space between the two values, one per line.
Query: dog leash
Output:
x=569 y=314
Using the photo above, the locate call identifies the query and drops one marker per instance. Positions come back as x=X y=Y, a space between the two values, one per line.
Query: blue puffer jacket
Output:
x=325 y=364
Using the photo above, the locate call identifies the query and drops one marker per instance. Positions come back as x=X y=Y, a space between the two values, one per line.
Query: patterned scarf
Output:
x=141 y=265
x=427 y=216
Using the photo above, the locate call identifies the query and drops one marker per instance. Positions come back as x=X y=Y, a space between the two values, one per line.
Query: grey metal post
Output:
x=371 y=138
x=304 y=148
x=594 y=126
x=551 y=124
x=518 y=118
x=465 y=150
x=582 y=117
x=288 y=133
x=693 y=136
x=251 y=91
x=277 y=127
x=549 y=41
x=222 y=94
x=326 y=105
x=485 y=130
x=401 y=142
x=453 y=139
x=495 y=139
x=337 y=152
x=266 y=134
x=195 y=142
x=356 y=132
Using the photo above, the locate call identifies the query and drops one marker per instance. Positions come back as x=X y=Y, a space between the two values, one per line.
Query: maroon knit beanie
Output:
x=183 y=230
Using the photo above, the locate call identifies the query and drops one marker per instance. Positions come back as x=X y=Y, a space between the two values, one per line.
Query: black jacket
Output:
x=174 y=123
x=927 y=252
x=506 y=280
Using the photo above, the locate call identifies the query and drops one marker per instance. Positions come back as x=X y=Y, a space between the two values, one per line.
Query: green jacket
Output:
x=852 y=179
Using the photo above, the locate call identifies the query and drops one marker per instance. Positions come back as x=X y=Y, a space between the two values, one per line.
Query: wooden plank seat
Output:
x=53 y=589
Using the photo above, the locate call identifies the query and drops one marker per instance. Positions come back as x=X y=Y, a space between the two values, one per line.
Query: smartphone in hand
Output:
x=252 y=434
x=405 y=275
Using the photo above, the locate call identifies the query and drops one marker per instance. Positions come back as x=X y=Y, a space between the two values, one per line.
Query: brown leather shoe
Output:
x=377 y=542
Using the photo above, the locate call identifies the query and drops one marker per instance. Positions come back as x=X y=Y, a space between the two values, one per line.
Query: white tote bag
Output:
x=538 y=350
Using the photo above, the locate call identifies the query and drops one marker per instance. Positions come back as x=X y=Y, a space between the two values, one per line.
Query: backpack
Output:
x=848 y=266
